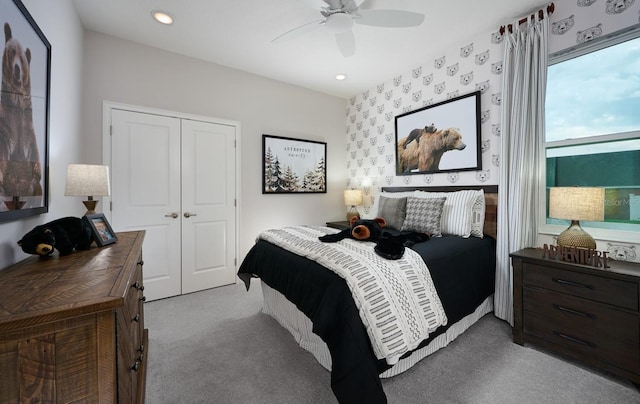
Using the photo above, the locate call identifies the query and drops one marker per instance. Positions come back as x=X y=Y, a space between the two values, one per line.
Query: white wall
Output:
x=60 y=24
x=126 y=72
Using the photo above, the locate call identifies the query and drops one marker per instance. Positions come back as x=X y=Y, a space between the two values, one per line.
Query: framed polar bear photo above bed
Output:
x=440 y=137
x=24 y=114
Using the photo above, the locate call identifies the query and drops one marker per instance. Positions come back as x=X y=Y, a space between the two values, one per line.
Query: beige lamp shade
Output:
x=87 y=180
x=353 y=197
x=575 y=204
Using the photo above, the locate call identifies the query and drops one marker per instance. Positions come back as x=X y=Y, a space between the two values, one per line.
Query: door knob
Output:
x=173 y=215
x=189 y=214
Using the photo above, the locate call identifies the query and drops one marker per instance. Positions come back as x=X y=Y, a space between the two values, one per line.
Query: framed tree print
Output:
x=293 y=165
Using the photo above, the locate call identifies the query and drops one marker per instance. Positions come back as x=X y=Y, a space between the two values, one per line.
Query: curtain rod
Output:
x=550 y=8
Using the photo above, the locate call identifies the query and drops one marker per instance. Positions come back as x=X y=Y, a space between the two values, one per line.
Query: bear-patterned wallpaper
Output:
x=474 y=65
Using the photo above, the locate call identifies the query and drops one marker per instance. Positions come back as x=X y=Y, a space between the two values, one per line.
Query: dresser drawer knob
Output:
x=138 y=286
x=574 y=339
x=136 y=366
x=141 y=262
x=136 y=318
x=571 y=283
x=571 y=311
x=141 y=349
x=143 y=299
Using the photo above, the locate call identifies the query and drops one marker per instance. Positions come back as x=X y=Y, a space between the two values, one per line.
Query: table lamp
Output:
x=87 y=180
x=575 y=204
x=352 y=197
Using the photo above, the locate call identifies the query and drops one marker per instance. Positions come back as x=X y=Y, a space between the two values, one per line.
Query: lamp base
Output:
x=353 y=212
x=91 y=206
x=575 y=236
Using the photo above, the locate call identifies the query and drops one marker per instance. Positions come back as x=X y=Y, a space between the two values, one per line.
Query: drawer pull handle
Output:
x=570 y=283
x=136 y=366
x=141 y=262
x=137 y=286
x=574 y=339
x=143 y=299
x=136 y=318
x=576 y=312
x=141 y=349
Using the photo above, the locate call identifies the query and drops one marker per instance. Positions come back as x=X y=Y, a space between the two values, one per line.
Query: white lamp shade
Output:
x=353 y=197
x=87 y=180
x=577 y=203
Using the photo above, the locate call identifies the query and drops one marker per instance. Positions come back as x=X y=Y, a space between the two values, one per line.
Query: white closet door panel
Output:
x=208 y=202
x=145 y=173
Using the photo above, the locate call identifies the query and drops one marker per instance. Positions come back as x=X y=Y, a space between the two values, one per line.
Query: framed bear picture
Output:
x=24 y=114
x=440 y=137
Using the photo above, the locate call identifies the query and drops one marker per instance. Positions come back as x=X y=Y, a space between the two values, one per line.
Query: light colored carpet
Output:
x=216 y=346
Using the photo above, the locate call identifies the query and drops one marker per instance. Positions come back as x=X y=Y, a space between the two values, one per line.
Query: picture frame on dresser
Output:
x=101 y=230
x=441 y=137
x=24 y=188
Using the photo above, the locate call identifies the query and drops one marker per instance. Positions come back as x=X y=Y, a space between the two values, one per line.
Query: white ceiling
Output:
x=238 y=34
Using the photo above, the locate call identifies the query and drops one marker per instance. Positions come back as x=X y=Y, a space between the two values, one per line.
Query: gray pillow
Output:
x=393 y=211
x=424 y=215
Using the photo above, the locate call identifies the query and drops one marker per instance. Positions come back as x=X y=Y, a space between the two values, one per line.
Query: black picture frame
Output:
x=451 y=131
x=102 y=232
x=24 y=111
x=292 y=166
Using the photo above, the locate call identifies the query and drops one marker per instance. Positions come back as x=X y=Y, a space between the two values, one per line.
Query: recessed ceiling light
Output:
x=162 y=17
x=341 y=76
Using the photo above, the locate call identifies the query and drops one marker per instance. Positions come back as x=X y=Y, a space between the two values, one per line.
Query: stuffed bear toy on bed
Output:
x=387 y=245
x=64 y=235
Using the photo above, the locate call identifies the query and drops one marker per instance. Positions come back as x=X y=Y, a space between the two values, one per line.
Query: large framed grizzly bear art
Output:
x=440 y=137
x=24 y=114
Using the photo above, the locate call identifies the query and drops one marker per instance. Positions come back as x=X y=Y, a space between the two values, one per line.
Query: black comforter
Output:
x=462 y=271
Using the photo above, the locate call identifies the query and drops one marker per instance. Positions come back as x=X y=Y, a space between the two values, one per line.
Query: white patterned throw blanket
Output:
x=396 y=299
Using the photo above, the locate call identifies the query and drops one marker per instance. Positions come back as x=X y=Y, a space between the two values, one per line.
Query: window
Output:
x=593 y=127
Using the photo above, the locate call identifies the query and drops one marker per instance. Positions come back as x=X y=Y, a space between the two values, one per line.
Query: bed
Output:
x=317 y=306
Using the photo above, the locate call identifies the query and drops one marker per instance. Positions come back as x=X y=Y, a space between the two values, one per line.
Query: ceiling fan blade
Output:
x=346 y=42
x=389 y=18
x=303 y=29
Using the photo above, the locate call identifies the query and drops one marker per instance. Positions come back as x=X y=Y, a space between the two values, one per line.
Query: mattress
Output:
x=462 y=270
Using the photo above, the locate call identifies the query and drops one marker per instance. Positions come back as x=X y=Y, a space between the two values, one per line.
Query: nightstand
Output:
x=589 y=314
x=340 y=225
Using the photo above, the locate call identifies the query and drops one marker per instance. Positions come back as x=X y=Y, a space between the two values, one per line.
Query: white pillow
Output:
x=457 y=211
x=477 y=215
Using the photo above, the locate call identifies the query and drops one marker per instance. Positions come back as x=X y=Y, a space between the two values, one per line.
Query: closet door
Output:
x=146 y=192
x=208 y=205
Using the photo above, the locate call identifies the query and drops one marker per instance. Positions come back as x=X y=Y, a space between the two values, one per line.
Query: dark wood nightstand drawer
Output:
x=606 y=290
x=584 y=327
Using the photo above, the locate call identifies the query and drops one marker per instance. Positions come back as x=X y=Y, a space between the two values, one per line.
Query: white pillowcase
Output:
x=462 y=213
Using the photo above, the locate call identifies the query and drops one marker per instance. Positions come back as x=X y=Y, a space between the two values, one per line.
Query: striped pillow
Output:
x=424 y=215
x=477 y=215
x=456 y=212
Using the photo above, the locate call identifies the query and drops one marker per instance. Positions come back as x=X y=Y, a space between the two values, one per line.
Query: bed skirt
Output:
x=299 y=325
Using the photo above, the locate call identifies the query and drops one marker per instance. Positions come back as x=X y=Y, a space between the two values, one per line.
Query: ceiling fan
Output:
x=338 y=17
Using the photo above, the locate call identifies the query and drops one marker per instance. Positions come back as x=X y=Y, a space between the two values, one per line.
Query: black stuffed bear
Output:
x=65 y=235
x=387 y=245
x=360 y=229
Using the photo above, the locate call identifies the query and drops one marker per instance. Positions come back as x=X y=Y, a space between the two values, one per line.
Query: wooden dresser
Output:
x=589 y=314
x=72 y=327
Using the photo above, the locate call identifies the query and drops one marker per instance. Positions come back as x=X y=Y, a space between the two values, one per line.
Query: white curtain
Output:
x=522 y=144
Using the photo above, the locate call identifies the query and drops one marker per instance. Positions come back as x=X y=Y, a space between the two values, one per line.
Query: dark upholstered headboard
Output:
x=490 y=196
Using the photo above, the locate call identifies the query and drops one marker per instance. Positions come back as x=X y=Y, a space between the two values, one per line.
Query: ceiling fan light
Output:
x=339 y=22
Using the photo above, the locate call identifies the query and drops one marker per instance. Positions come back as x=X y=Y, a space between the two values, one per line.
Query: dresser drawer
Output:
x=606 y=290
x=583 y=326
